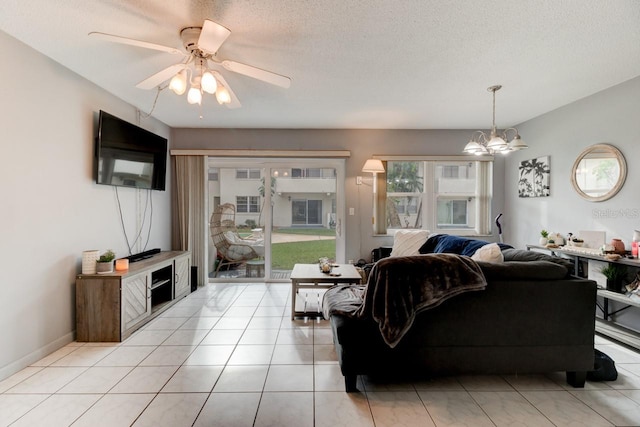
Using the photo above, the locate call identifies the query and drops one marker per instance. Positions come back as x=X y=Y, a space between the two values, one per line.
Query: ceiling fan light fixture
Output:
x=222 y=95
x=178 y=83
x=208 y=82
x=194 y=96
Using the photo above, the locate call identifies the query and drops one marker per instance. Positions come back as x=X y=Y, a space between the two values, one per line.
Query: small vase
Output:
x=104 y=267
x=543 y=241
x=618 y=246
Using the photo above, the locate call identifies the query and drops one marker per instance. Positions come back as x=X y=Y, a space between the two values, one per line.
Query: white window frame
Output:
x=252 y=204
x=250 y=173
x=483 y=195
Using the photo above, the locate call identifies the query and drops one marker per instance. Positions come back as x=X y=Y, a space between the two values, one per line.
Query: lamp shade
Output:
x=374 y=166
x=208 y=82
x=222 y=95
x=517 y=144
x=178 y=83
x=194 y=96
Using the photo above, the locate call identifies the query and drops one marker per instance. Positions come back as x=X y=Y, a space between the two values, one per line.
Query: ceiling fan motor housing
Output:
x=190 y=36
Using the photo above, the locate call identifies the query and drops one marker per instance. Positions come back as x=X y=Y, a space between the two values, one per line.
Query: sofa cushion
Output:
x=523 y=270
x=488 y=253
x=446 y=243
x=523 y=255
x=408 y=242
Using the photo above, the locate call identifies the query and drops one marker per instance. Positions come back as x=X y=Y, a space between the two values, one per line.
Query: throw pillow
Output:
x=407 y=242
x=445 y=243
x=488 y=253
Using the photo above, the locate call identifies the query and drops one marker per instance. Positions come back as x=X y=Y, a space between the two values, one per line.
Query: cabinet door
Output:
x=182 y=282
x=136 y=298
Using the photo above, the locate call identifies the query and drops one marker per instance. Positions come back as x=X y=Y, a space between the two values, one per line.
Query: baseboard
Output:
x=12 y=368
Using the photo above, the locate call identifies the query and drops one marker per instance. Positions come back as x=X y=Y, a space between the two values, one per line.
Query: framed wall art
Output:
x=534 y=177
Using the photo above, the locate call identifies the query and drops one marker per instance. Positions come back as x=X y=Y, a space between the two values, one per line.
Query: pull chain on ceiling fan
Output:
x=202 y=45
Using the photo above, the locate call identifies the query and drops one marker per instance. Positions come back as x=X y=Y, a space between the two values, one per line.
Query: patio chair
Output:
x=231 y=247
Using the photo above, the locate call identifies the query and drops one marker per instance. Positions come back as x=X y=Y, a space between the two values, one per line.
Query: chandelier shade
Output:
x=481 y=144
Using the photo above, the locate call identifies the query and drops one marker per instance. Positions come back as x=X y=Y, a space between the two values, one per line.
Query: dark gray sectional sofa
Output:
x=532 y=317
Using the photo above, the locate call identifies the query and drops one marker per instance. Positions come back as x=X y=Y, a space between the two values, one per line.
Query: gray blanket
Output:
x=400 y=288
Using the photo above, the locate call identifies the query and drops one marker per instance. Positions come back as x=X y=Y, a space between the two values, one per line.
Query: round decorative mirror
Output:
x=599 y=172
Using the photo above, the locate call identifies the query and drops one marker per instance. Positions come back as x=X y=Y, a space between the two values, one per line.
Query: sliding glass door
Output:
x=267 y=215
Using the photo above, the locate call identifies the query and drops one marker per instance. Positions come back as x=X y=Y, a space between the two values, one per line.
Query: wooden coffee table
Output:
x=309 y=276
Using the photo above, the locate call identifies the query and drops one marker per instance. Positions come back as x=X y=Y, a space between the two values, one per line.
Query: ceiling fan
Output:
x=201 y=45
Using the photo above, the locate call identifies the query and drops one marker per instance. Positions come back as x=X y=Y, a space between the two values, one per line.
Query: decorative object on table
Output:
x=544 y=234
x=575 y=241
x=618 y=246
x=634 y=249
x=104 y=264
x=122 y=264
x=615 y=274
x=557 y=238
x=534 y=178
x=89 y=259
x=325 y=264
x=592 y=239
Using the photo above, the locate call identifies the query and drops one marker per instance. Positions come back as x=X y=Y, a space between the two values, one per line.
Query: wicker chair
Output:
x=232 y=249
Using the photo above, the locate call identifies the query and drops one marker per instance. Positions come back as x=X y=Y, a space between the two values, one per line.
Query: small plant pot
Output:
x=104 y=267
x=543 y=241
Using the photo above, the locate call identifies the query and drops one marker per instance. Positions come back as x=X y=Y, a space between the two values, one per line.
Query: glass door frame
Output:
x=270 y=164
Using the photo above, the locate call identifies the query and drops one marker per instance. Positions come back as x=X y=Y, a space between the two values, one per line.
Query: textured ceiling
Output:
x=411 y=64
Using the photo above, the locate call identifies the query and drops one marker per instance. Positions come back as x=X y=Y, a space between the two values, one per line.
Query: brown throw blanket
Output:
x=401 y=287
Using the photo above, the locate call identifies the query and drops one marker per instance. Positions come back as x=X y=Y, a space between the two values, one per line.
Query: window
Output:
x=449 y=196
x=214 y=174
x=308 y=173
x=247 y=204
x=247 y=173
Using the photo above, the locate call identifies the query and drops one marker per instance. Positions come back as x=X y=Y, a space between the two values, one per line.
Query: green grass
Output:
x=307 y=231
x=285 y=255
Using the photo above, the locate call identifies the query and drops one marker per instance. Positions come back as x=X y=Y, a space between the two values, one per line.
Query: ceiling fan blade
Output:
x=212 y=36
x=160 y=76
x=235 y=103
x=257 y=73
x=133 y=42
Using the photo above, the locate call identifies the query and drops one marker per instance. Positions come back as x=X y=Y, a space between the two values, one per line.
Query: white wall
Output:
x=51 y=208
x=611 y=116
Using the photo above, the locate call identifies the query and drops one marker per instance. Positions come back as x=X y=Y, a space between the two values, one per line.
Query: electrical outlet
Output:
x=352 y=211
x=358 y=180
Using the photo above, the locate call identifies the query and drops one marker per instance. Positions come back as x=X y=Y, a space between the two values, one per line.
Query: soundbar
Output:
x=143 y=255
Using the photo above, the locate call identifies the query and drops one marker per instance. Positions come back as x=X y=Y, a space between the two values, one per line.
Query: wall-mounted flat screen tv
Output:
x=129 y=156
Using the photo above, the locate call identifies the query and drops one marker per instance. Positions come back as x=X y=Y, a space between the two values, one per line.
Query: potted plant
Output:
x=614 y=274
x=104 y=264
x=543 y=239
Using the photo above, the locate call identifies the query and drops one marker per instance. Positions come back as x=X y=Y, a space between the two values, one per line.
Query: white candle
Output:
x=122 y=264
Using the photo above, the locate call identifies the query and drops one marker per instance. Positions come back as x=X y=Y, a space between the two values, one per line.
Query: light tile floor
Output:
x=229 y=355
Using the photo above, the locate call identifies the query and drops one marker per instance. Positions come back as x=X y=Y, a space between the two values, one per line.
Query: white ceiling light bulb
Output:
x=208 y=82
x=222 y=95
x=178 y=83
x=194 y=96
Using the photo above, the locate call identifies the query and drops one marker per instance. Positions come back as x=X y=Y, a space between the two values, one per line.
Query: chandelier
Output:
x=481 y=144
